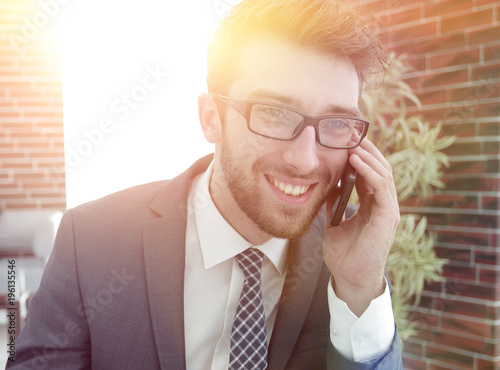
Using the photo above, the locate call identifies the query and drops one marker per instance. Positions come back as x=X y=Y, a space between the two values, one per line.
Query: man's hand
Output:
x=356 y=251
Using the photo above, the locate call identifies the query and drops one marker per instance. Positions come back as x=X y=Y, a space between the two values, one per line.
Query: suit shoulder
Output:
x=124 y=210
x=112 y=225
x=135 y=197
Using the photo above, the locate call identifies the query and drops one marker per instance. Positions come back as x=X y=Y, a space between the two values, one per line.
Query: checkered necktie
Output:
x=248 y=336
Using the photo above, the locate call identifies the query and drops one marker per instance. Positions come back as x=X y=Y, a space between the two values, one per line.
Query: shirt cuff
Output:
x=367 y=337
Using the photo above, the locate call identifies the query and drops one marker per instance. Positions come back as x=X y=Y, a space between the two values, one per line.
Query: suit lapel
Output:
x=164 y=259
x=164 y=256
x=304 y=266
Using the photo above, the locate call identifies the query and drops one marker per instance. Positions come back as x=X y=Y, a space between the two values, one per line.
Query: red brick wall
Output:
x=31 y=125
x=454 y=46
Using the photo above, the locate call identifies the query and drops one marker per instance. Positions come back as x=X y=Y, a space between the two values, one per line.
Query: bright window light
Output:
x=132 y=72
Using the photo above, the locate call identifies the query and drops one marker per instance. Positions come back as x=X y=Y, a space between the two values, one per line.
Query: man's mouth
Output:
x=289 y=189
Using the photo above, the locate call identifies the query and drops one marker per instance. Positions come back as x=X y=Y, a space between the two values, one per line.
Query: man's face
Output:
x=265 y=187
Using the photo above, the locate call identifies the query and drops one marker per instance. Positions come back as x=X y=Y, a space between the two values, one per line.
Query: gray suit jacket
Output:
x=112 y=293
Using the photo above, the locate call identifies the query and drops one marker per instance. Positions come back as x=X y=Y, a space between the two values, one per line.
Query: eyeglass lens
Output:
x=281 y=123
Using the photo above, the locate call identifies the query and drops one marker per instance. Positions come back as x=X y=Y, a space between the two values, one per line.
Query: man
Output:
x=151 y=277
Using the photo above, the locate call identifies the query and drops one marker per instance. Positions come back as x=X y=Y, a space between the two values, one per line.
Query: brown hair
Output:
x=322 y=25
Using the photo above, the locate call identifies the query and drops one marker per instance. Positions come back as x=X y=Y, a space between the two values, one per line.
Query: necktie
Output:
x=248 y=336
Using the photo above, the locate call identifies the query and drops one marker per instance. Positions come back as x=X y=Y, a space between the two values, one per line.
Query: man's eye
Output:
x=274 y=112
x=270 y=113
x=337 y=123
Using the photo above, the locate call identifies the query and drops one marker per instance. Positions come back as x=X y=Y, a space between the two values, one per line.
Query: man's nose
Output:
x=302 y=152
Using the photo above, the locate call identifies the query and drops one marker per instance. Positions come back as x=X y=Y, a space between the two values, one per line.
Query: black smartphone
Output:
x=342 y=194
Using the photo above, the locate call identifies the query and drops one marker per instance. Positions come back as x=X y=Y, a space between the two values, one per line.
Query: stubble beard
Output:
x=278 y=220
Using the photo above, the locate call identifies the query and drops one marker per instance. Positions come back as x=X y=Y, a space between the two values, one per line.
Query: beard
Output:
x=273 y=217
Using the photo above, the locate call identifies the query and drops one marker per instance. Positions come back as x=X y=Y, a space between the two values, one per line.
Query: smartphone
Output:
x=342 y=194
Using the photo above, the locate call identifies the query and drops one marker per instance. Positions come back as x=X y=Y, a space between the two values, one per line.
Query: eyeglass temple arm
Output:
x=233 y=103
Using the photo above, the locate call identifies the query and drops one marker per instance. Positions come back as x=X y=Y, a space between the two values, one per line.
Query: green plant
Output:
x=413 y=148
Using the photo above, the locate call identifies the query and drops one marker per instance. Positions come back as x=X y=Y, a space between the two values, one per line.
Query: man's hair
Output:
x=322 y=25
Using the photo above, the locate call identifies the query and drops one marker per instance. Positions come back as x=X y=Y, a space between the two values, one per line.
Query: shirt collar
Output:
x=218 y=240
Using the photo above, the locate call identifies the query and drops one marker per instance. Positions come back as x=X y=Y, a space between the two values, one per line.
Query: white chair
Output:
x=26 y=237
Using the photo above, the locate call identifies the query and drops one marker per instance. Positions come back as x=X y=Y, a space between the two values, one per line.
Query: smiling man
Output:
x=283 y=185
x=233 y=265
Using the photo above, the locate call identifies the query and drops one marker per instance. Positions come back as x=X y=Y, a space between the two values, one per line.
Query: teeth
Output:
x=289 y=189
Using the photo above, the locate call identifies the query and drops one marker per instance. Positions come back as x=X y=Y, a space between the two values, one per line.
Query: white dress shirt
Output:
x=213 y=283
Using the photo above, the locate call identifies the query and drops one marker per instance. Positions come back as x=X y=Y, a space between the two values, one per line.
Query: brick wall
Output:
x=454 y=47
x=31 y=126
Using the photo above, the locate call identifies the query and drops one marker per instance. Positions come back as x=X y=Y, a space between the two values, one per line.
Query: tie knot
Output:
x=250 y=262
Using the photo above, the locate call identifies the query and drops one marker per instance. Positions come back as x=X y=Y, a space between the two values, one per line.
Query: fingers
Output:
x=370 y=154
x=376 y=174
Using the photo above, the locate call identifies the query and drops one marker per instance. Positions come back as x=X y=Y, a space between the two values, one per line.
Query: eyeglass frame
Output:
x=244 y=107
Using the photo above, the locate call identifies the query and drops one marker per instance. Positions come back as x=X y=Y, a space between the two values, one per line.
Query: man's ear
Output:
x=209 y=118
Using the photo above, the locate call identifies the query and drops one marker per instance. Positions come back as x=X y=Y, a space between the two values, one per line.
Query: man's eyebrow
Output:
x=344 y=111
x=269 y=94
x=333 y=109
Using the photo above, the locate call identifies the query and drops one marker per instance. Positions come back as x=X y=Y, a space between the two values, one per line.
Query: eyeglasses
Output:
x=281 y=123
